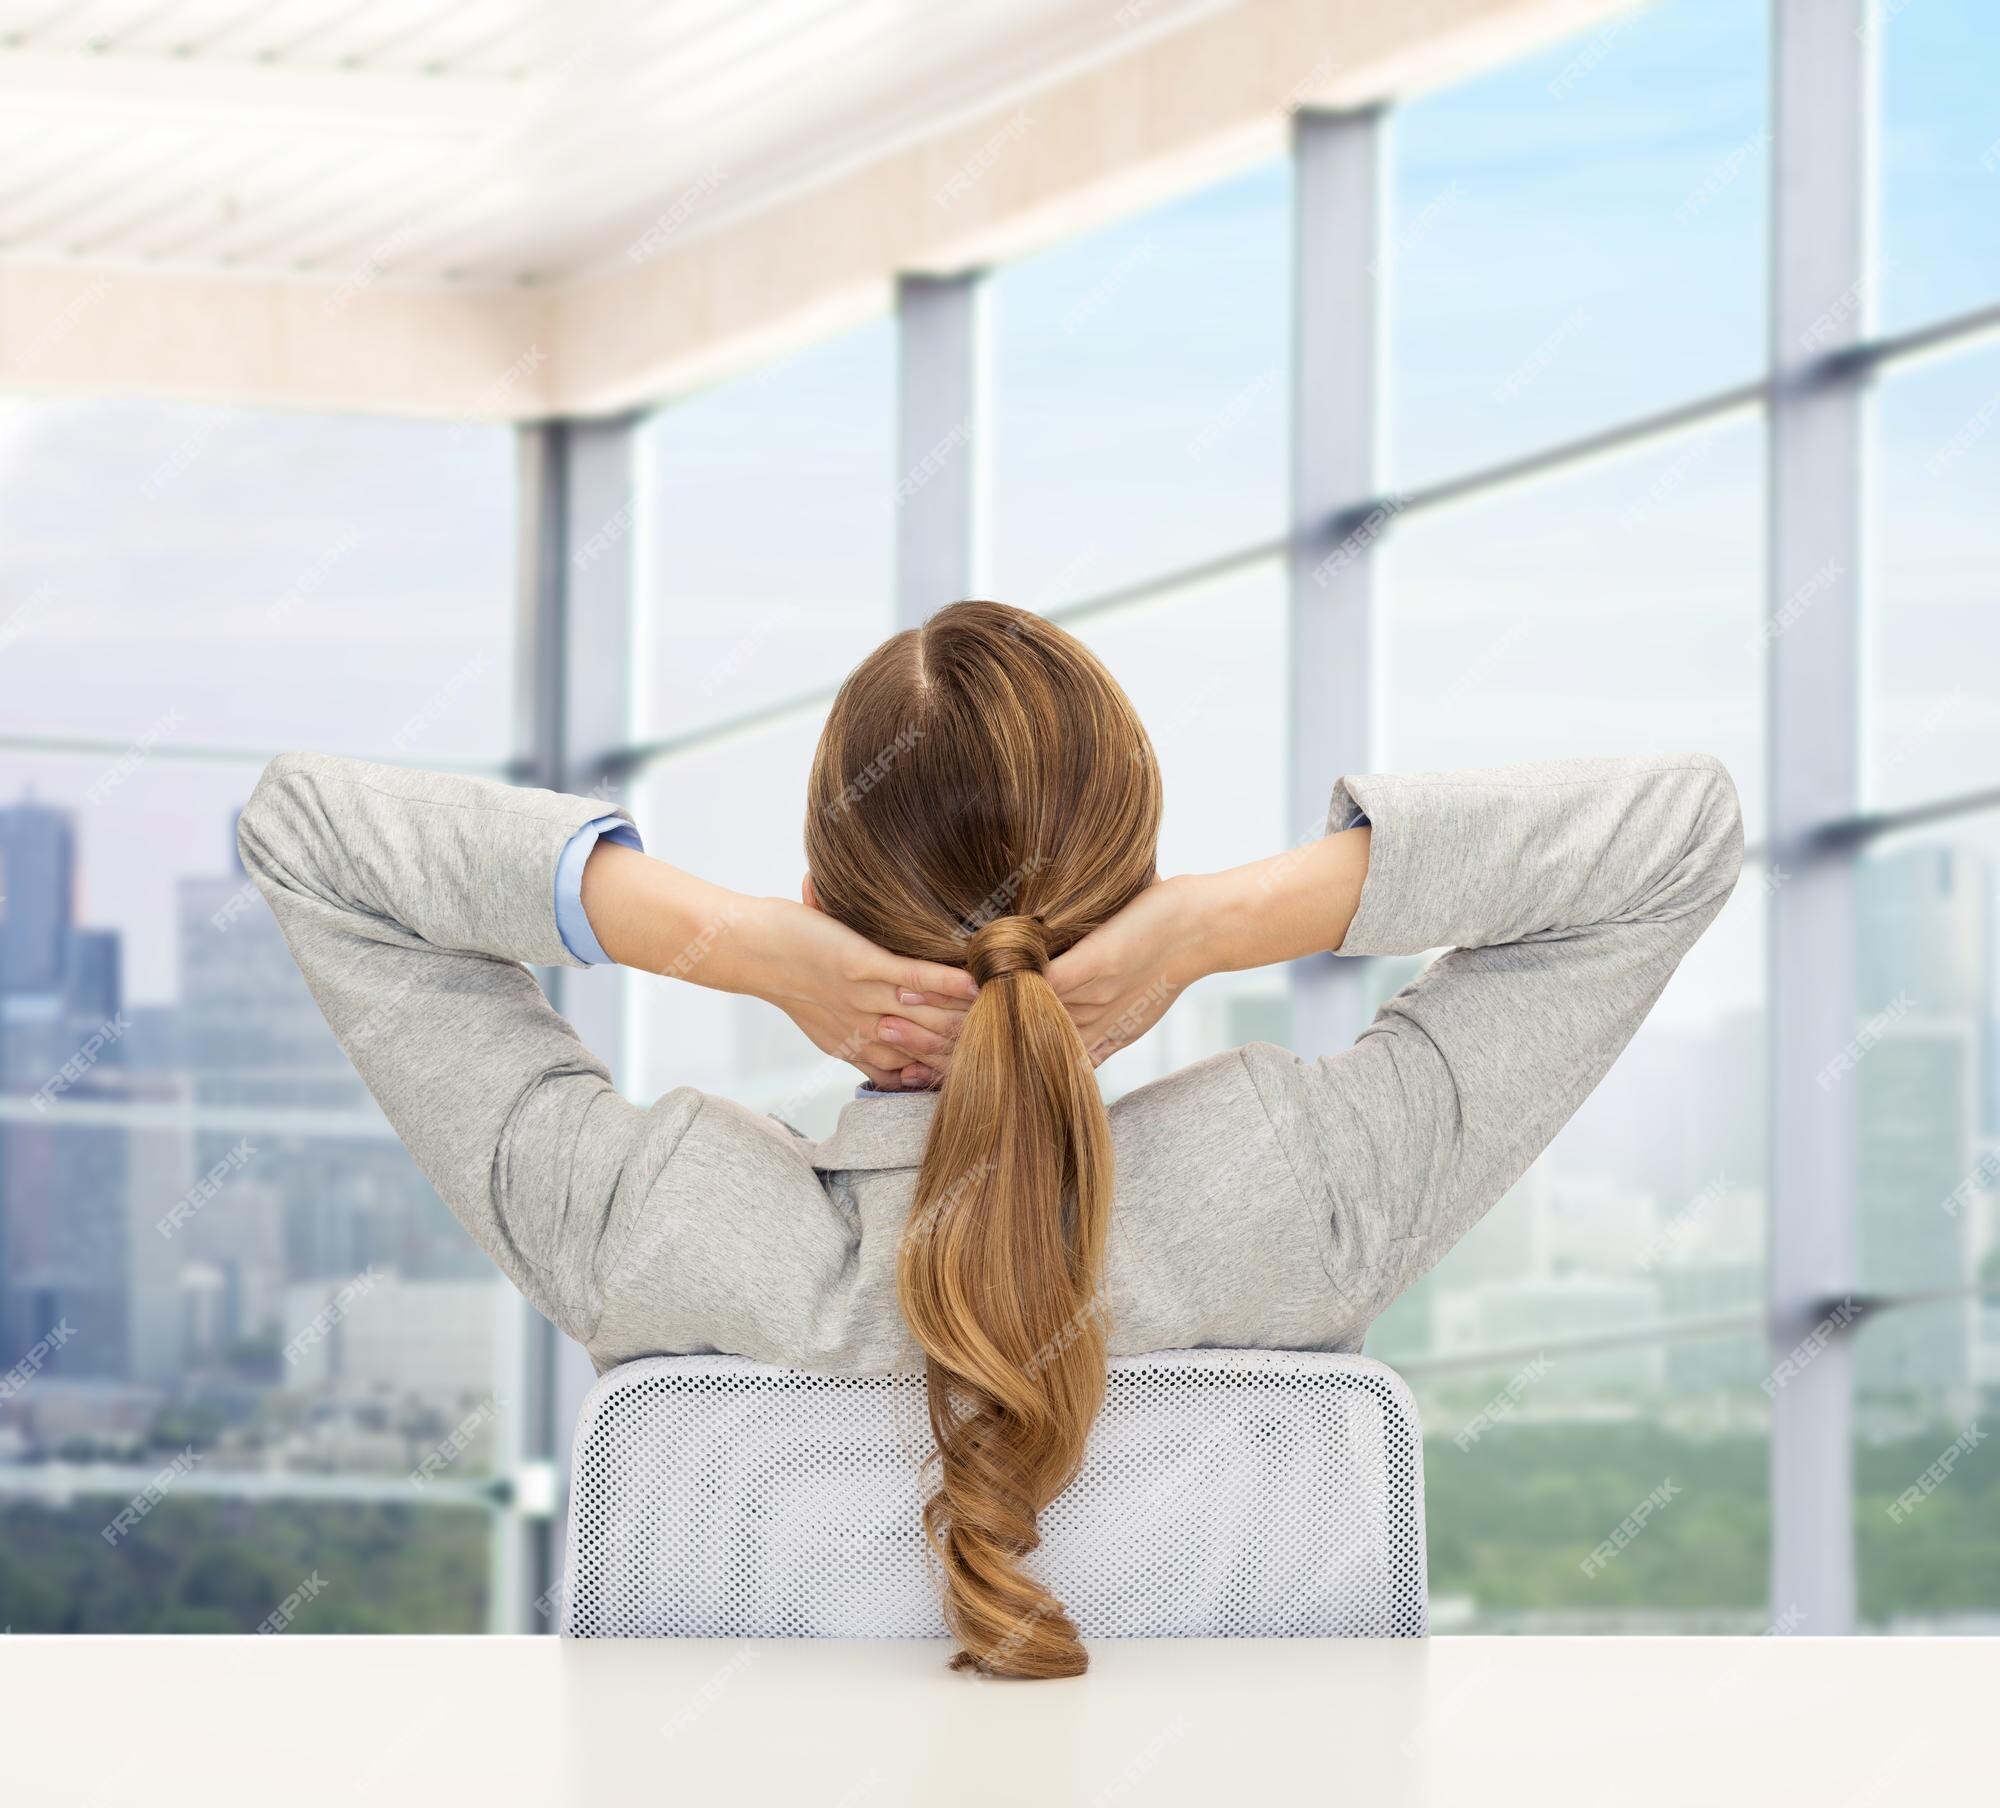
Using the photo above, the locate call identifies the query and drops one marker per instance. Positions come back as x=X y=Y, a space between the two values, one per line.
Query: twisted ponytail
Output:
x=998 y=1278
x=984 y=795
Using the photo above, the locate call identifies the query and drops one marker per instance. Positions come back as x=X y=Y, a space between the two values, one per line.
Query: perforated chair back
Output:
x=1225 y=1493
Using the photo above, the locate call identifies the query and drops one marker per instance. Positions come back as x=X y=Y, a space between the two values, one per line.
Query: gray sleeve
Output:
x=1567 y=893
x=410 y=901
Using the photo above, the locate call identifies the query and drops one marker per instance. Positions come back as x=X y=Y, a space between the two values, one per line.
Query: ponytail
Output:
x=999 y=1277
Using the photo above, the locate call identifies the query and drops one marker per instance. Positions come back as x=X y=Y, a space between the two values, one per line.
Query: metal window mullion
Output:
x=938 y=435
x=588 y=610
x=1819 y=98
x=524 y=1340
x=1336 y=212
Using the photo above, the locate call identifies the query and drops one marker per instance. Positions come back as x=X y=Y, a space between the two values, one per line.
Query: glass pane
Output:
x=221 y=577
x=1926 y=1490
x=1139 y=383
x=1549 y=221
x=1939 y=161
x=1921 y=1068
x=1933 y=616
x=767 y=533
x=1649 y=1206
x=210 y=1564
x=1615 y=609
x=1538 y=1467
x=192 y=1178
x=1207 y=670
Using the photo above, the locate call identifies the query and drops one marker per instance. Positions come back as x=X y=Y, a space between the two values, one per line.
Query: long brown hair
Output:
x=984 y=795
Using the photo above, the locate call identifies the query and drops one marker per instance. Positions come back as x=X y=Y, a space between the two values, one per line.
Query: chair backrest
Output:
x=1225 y=1493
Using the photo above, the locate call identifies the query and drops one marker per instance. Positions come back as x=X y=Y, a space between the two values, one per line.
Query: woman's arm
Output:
x=411 y=901
x=1119 y=982
x=1566 y=892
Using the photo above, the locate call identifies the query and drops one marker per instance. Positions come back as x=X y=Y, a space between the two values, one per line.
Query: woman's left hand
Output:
x=894 y=1018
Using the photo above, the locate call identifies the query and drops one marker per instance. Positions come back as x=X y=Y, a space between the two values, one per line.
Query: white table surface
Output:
x=1613 y=1723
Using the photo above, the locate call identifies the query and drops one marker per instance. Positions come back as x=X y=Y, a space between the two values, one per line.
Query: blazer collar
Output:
x=884 y=1132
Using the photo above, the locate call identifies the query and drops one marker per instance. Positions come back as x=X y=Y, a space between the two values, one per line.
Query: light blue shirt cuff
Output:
x=571 y=923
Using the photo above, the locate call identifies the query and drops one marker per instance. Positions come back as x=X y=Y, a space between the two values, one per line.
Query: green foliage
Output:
x=203 y=1564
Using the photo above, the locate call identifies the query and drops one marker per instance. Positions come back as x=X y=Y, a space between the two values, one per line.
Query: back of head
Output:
x=985 y=795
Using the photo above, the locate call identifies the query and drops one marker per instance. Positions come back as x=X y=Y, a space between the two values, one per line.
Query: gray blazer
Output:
x=1262 y=1199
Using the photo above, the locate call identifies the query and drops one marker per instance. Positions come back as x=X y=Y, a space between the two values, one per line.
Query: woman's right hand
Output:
x=1120 y=979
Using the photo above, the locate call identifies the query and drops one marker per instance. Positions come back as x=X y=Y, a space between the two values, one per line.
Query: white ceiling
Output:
x=478 y=142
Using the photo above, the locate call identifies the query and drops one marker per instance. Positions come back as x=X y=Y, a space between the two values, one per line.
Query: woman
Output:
x=982 y=922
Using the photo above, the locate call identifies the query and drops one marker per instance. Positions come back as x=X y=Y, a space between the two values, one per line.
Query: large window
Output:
x=1569 y=546
x=1568 y=540
x=221 y=1277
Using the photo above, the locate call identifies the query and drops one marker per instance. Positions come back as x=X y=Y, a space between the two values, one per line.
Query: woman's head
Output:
x=985 y=795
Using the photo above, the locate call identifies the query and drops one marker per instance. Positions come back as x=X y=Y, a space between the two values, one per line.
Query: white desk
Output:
x=1623 y=1723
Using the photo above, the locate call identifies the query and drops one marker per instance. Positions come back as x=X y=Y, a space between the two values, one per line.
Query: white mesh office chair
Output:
x=1225 y=1493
